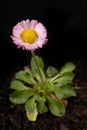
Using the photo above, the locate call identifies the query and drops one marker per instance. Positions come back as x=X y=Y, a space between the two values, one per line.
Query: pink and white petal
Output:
x=41 y=34
x=28 y=47
x=41 y=30
x=25 y=24
x=33 y=24
x=35 y=46
x=32 y=46
x=18 y=28
x=39 y=43
x=28 y=23
x=16 y=38
x=16 y=34
x=41 y=26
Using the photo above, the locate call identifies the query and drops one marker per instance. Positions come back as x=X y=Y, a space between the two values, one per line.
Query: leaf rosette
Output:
x=41 y=90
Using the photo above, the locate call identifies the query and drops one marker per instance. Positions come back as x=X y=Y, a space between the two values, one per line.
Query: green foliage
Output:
x=51 y=71
x=42 y=90
x=30 y=105
x=39 y=62
x=18 y=85
x=68 y=67
x=64 y=92
x=56 y=107
x=25 y=76
x=65 y=78
x=42 y=108
x=20 y=97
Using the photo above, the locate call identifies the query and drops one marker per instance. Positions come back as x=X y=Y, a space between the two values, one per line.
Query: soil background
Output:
x=66 y=23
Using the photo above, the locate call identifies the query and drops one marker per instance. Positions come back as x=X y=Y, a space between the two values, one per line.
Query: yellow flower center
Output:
x=29 y=35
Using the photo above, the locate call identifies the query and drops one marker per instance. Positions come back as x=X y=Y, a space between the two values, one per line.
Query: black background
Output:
x=66 y=23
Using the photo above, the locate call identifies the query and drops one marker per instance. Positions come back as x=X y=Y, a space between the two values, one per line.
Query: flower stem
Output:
x=33 y=54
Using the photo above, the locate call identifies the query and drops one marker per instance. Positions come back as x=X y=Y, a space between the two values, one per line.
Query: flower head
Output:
x=29 y=35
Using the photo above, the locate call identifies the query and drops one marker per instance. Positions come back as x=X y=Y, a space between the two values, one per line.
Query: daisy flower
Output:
x=29 y=35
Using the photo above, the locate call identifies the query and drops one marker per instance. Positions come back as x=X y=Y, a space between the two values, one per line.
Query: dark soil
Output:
x=14 y=118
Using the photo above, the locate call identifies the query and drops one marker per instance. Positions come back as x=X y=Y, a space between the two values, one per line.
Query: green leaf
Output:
x=39 y=61
x=64 y=92
x=51 y=71
x=31 y=108
x=25 y=76
x=68 y=67
x=18 y=85
x=67 y=91
x=49 y=87
x=56 y=107
x=37 y=68
x=32 y=116
x=37 y=77
x=42 y=108
x=30 y=105
x=20 y=97
x=43 y=75
x=66 y=78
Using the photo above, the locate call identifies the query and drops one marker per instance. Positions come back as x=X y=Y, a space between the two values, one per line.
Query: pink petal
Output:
x=33 y=23
x=25 y=24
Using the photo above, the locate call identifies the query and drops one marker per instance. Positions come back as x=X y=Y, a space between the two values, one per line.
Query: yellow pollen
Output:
x=29 y=35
